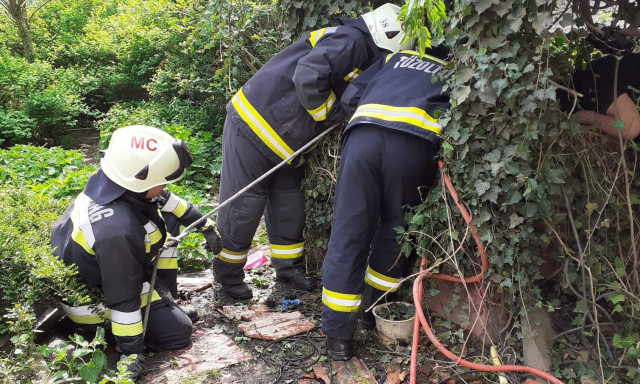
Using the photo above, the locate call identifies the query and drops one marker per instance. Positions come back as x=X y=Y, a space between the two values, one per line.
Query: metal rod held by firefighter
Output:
x=175 y=240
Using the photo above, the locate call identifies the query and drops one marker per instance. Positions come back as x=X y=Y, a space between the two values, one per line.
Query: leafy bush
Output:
x=30 y=271
x=23 y=165
x=15 y=127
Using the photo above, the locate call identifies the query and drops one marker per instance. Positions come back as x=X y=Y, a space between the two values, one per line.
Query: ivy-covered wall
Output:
x=555 y=206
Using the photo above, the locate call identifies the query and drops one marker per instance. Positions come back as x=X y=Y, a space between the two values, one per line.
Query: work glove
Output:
x=133 y=364
x=213 y=242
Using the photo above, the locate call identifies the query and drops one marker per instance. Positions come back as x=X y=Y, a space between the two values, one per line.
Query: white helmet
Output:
x=385 y=28
x=140 y=157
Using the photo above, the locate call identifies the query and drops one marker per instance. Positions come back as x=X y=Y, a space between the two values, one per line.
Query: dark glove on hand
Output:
x=133 y=364
x=213 y=242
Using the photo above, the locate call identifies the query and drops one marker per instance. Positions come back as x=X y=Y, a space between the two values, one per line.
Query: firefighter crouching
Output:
x=284 y=105
x=388 y=160
x=112 y=232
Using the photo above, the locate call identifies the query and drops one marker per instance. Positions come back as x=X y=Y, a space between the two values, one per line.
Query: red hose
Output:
x=420 y=318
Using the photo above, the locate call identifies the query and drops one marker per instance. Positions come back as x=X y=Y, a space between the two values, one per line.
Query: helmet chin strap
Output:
x=140 y=195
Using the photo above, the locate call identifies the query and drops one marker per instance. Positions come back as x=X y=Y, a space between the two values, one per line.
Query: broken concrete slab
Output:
x=537 y=336
x=209 y=351
x=260 y=323
x=346 y=372
x=243 y=312
x=276 y=326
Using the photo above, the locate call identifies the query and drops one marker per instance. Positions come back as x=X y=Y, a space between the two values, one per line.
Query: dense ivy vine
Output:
x=554 y=205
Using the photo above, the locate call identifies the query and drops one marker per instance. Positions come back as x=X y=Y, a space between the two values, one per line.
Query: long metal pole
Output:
x=175 y=240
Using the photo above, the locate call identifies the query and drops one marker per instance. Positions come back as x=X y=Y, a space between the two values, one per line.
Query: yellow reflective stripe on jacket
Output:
x=320 y=113
x=414 y=53
x=380 y=281
x=126 y=323
x=168 y=259
x=260 y=127
x=287 y=251
x=341 y=302
x=153 y=235
x=84 y=314
x=176 y=205
x=409 y=115
x=82 y=231
x=316 y=35
x=389 y=56
x=353 y=74
x=144 y=294
x=232 y=257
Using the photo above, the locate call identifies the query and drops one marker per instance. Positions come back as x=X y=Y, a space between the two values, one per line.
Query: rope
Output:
x=171 y=241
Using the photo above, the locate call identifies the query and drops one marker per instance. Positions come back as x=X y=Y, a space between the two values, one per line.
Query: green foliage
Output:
x=19 y=363
x=318 y=186
x=191 y=255
x=30 y=271
x=305 y=16
x=15 y=127
x=414 y=15
x=23 y=165
x=82 y=360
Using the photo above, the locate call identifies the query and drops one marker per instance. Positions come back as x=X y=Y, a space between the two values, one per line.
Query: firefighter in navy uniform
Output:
x=388 y=160
x=112 y=232
x=287 y=103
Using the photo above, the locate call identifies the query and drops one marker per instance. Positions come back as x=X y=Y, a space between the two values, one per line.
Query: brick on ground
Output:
x=260 y=323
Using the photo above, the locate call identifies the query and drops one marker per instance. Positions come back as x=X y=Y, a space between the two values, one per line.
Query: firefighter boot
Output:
x=300 y=281
x=237 y=290
x=338 y=349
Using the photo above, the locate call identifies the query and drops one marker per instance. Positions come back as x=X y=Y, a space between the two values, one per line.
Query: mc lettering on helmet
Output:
x=139 y=142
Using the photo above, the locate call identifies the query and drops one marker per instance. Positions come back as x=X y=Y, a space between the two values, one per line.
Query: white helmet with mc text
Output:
x=140 y=157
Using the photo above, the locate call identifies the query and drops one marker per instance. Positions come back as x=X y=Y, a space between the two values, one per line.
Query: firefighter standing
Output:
x=114 y=229
x=388 y=160
x=288 y=102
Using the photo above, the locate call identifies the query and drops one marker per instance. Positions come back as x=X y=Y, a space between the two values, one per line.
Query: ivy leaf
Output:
x=615 y=299
x=503 y=7
x=493 y=194
x=483 y=5
x=493 y=156
x=515 y=220
x=447 y=148
x=481 y=187
x=515 y=19
x=514 y=198
x=462 y=94
x=623 y=342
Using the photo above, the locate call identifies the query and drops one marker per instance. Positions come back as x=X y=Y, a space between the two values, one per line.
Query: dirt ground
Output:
x=289 y=360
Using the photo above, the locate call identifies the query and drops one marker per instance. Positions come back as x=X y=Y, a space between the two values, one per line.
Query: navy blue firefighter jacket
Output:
x=400 y=92
x=295 y=95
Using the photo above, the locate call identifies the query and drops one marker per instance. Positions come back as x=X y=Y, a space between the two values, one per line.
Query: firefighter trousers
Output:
x=380 y=172
x=278 y=197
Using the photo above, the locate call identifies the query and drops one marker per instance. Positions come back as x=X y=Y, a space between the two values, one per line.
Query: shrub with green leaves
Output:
x=23 y=165
x=30 y=271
